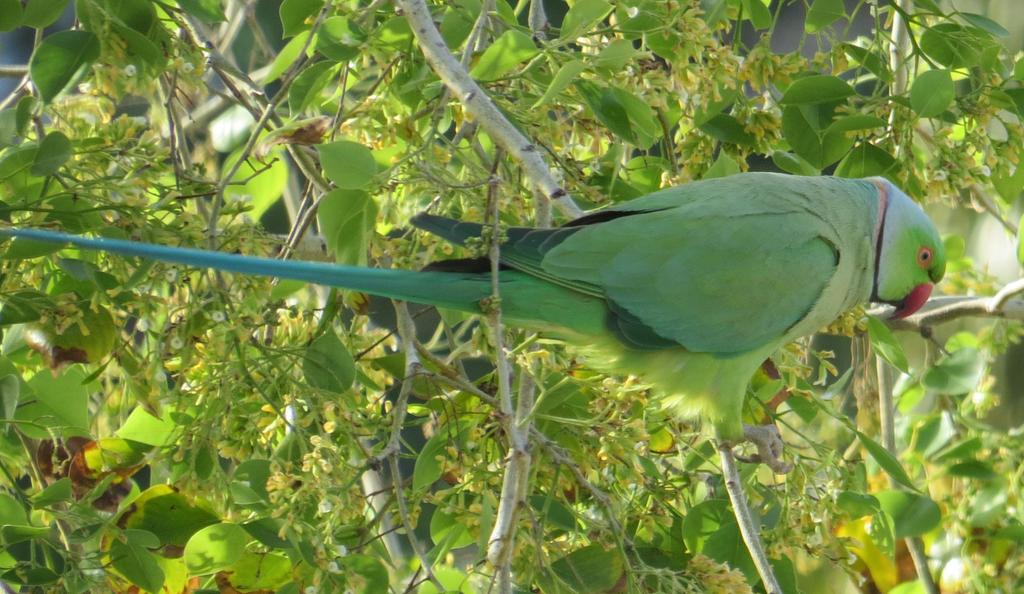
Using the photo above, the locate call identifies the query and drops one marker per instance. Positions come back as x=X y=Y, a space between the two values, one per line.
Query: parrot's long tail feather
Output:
x=461 y=291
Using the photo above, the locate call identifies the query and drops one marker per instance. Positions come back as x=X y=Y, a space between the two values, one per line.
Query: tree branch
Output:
x=887 y=421
x=745 y=519
x=407 y=335
x=480 y=106
x=940 y=310
x=517 y=463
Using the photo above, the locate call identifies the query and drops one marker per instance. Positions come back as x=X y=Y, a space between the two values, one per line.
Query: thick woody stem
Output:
x=479 y=105
x=745 y=519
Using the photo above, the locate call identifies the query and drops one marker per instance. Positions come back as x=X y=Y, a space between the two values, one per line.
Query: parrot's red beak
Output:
x=912 y=302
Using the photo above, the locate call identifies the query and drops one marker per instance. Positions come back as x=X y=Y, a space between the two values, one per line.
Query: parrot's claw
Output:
x=769 y=444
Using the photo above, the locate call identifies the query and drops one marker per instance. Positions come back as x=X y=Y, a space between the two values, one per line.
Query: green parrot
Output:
x=690 y=288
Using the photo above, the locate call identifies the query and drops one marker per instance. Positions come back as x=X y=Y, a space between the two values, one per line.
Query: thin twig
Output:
x=981 y=197
x=745 y=519
x=538 y=19
x=265 y=116
x=390 y=454
x=944 y=309
x=899 y=49
x=554 y=451
x=13 y=70
x=480 y=106
x=887 y=422
x=517 y=463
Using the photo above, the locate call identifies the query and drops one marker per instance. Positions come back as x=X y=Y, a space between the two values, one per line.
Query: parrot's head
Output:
x=909 y=255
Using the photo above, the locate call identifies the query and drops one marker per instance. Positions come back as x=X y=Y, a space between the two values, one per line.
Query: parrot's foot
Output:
x=769 y=444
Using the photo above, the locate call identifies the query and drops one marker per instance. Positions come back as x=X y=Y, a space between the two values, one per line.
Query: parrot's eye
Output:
x=924 y=257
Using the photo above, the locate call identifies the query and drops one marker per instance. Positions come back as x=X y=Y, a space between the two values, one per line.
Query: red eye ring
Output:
x=924 y=257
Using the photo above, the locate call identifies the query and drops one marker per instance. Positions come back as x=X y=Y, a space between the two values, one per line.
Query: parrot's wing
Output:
x=712 y=282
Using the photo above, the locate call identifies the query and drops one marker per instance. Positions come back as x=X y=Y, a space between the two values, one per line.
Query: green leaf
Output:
x=346 y=219
x=958 y=373
x=608 y=109
x=327 y=364
x=855 y=122
x=932 y=92
x=375 y=575
x=58 y=492
x=26 y=305
x=785 y=572
x=723 y=166
x=395 y=33
x=43 y=13
x=261 y=182
x=10 y=14
x=348 y=164
x=553 y=512
x=427 y=469
x=818 y=88
x=1014 y=532
x=207 y=11
x=1020 y=240
x=309 y=85
x=645 y=173
x=727 y=128
x=793 y=163
x=340 y=39
x=231 y=129
x=61 y=59
x=287 y=56
x=582 y=17
x=508 y=51
x=642 y=119
x=870 y=61
x=884 y=344
x=141 y=538
x=295 y=13
x=54 y=151
x=726 y=545
x=800 y=132
x=953 y=45
x=452 y=581
x=10 y=392
x=565 y=75
x=168 y=514
x=9 y=134
x=834 y=146
x=449 y=531
x=35 y=575
x=253 y=475
x=616 y=55
x=823 y=13
x=457 y=23
x=973 y=469
x=866 y=160
x=589 y=570
x=138 y=565
x=143 y=427
x=215 y=548
x=262 y=572
x=757 y=13
x=928 y=5
x=12 y=512
x=60 y=403
x=886 y=461
x=913 y=514
x=985 y=24
x=857 y=505
x=20 y=533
